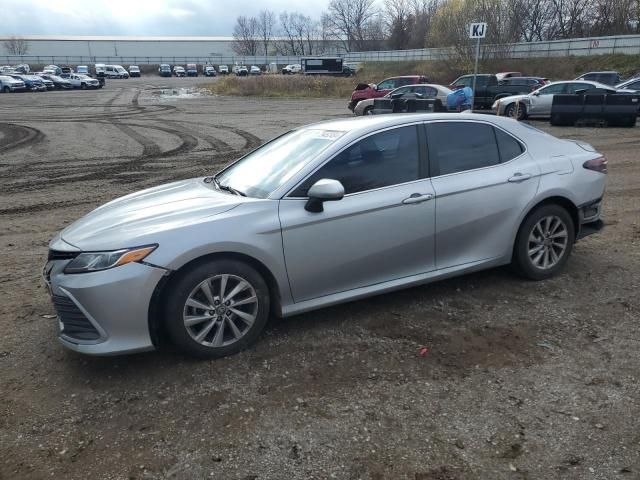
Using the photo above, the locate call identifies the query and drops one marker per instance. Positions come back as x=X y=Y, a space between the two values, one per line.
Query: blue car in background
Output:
x=33 y=83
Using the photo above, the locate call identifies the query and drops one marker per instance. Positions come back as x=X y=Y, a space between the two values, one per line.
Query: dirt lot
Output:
x=521 y=381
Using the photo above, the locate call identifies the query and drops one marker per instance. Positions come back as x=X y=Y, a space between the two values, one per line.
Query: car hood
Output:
x=138 y=218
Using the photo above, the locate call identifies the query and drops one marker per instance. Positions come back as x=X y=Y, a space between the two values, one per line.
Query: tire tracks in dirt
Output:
x=18 y=136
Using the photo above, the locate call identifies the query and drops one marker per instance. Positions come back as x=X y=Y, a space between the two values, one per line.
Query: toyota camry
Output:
x=323 y=214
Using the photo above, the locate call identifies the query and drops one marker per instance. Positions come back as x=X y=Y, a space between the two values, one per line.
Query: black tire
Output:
x=83 y=86
x=522 y=263
x=519 y=111
x=6 y=89
x=368 y=110
x=179 y=291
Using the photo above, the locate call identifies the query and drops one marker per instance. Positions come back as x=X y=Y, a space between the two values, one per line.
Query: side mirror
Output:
x=374 y=86
x=324 y=190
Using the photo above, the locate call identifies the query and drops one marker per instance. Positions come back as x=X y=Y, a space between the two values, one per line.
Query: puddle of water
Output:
x=180 y=93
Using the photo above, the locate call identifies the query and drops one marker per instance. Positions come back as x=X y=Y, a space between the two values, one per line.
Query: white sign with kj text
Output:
x=477 y=30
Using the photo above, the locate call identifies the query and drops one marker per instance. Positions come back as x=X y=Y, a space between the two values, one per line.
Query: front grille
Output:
x=58 y=255
x=74 y=323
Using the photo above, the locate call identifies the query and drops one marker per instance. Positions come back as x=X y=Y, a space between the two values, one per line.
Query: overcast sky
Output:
x=137 y=17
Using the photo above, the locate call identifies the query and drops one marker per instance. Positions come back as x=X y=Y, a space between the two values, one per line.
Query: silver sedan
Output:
x=538 y=103
x=426 y=90
x=324 y=214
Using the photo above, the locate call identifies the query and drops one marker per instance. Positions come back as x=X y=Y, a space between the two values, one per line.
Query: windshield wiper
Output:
x=227 y=188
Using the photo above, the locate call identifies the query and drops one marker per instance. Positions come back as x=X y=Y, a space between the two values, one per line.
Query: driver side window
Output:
x=386 y=85
x=379 y=160
x=553 y=89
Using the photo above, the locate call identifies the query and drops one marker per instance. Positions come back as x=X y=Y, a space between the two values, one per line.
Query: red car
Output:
x=365 y=91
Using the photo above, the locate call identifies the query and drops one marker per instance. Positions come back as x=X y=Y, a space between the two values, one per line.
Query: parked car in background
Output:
x=101 y=70
x=209 y=71
x=241 y=71
x=427 y=90
x=58 y=82
x=56 y=70
x=164 y=70
x=488 y=89
x=223 y=69
x=192 y=70
x=364 y=91
x=66 y=72
x=7 y=69
x=179 y=71
x=538 y=103
x=10 y=84
x=31 y=82
x=49 y=85
x=83 y=81
x=82 y=69
x=202 y=263
x=292 y=68
x=255 y=70
x=532 y=82
x=134 y=71
x=607 y=78
x=116 y=71
x=631 y=84
x=22 y=68
x=503 y=75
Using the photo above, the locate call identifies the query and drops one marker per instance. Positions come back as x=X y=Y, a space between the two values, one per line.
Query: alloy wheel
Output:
x=220 y=310
x=547 y=242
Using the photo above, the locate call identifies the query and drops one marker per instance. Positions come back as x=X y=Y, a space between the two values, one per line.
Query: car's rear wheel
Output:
x=83 y=86
x=544 y=242
x=368 y=110
x=516 y=110
x=217 y=309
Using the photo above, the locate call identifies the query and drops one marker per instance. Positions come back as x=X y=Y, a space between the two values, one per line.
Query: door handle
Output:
x=519 y=177
x=417 y=198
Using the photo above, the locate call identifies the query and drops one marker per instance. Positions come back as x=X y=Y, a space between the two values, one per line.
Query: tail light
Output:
x=597 y=164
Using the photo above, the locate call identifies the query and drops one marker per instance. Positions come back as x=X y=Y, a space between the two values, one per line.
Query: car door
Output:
x=483 y=179
x=381 y=230
x=542 y=99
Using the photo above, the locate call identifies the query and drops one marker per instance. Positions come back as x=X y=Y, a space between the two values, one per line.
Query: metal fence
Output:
x=624 y=44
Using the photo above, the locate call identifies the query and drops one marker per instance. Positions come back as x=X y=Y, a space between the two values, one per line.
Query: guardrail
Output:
x=624 y=44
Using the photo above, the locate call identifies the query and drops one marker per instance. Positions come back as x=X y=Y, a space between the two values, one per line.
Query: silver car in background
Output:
x=538 y=103
x=324 y=214
x=425 y=90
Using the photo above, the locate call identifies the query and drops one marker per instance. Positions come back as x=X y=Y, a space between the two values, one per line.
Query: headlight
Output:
x=96 y=261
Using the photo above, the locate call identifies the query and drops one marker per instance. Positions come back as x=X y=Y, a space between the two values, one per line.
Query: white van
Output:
x=116 y=71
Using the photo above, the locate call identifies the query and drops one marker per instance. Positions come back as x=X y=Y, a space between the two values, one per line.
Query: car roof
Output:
x=365 y=124
x=432 y=85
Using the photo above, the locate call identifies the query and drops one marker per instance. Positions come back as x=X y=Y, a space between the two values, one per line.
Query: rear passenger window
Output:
x=459 y=146
x=508 y=146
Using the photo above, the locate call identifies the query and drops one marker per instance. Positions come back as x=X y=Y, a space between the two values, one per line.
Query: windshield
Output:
x=262 y=171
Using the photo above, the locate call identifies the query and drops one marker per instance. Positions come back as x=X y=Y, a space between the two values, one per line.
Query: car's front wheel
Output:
x=544 y=242
x=217 y=308
x=368 y=110
x=516 y=110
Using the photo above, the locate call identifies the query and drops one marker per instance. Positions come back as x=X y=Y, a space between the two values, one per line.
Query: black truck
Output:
x=489 y=89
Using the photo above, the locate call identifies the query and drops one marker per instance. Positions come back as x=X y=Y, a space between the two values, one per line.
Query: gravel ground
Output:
x=521 y=380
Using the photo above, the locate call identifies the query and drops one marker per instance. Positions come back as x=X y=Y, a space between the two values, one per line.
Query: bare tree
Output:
x=245 y=36
x=399 y=23
x=266 y=25
x=423 y=12
x=351 y=22
x=16 y=46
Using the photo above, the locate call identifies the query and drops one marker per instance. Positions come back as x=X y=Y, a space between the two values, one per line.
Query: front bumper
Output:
x=111 y=305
